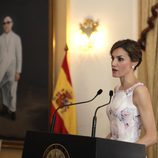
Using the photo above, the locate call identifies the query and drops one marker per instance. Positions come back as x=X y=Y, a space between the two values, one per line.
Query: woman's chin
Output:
x=115 y=75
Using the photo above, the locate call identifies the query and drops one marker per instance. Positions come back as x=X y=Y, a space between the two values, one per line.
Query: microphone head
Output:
x=110 y=93
x=99 y=91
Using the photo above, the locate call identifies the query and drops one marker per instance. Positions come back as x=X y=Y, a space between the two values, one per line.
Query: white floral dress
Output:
x=124 y=117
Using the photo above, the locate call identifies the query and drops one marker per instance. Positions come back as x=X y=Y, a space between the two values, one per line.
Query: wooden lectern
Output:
x=48 y=145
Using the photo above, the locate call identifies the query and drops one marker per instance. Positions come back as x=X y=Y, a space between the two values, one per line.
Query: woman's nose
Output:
x=114 y=62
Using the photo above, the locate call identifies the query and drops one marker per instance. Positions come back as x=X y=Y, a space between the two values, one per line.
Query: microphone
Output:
x=71 y=104
x=95 y=114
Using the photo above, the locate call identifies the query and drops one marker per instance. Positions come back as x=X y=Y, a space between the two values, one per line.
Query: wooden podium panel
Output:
x=47 y=145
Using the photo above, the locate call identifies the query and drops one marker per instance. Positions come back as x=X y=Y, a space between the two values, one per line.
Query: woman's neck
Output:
x=128 y=81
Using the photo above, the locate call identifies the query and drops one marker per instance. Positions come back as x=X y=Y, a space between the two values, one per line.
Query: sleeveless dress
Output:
x=124 y=117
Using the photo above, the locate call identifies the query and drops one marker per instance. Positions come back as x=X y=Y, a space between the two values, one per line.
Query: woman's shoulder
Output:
x=141 y=94
x=139 y=88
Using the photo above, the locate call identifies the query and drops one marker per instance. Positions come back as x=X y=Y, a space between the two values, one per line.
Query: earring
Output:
x=133 y=66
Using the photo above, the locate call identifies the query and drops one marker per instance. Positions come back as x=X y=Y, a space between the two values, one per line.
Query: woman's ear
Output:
x=134 y=64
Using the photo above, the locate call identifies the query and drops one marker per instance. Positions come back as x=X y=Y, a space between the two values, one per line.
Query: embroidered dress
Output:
x=124 y=117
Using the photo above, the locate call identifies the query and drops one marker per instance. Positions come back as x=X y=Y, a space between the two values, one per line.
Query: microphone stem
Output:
x=81 y=102
x=59 y=107
x=95 y=118
x=54 y=119
x=101 y=107
x=94 y=126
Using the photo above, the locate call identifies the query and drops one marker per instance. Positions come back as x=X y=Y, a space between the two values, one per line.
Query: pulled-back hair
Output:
x=132 y=48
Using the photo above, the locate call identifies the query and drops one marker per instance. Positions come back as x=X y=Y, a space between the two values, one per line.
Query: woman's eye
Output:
x=120 y=59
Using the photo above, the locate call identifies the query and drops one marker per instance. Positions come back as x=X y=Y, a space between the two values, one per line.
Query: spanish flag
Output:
x=65 y=122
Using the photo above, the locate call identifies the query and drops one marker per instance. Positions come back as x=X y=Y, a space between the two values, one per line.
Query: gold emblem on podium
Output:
x=56 y=151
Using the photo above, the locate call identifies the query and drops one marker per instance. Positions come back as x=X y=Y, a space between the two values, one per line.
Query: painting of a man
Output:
x=10 y=67
x=24 y=67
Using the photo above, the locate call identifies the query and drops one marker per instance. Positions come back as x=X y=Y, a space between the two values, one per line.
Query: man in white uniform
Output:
x=10 y=67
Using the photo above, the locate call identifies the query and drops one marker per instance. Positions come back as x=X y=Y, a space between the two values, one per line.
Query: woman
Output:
x=131 y=106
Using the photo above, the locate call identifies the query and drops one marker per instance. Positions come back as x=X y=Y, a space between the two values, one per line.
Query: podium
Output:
x=48 y=145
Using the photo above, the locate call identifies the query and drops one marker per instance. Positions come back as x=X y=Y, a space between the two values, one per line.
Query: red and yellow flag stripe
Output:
x=66 y=117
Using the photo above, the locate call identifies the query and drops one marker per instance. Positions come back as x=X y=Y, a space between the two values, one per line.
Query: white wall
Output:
x=91 y=69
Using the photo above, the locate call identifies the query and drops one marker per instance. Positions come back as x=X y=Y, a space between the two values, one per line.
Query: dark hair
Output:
x=132 y=48
x=3 y=17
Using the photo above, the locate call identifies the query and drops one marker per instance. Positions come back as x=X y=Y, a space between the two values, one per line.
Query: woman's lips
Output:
x=114 y=70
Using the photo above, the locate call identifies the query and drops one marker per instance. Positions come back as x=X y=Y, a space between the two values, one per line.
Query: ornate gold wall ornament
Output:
x=89 y=26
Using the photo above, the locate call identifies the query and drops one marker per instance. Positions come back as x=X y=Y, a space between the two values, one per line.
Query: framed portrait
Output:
x=32 y=22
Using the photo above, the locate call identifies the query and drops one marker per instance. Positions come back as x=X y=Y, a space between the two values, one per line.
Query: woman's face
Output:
x=121 y=63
